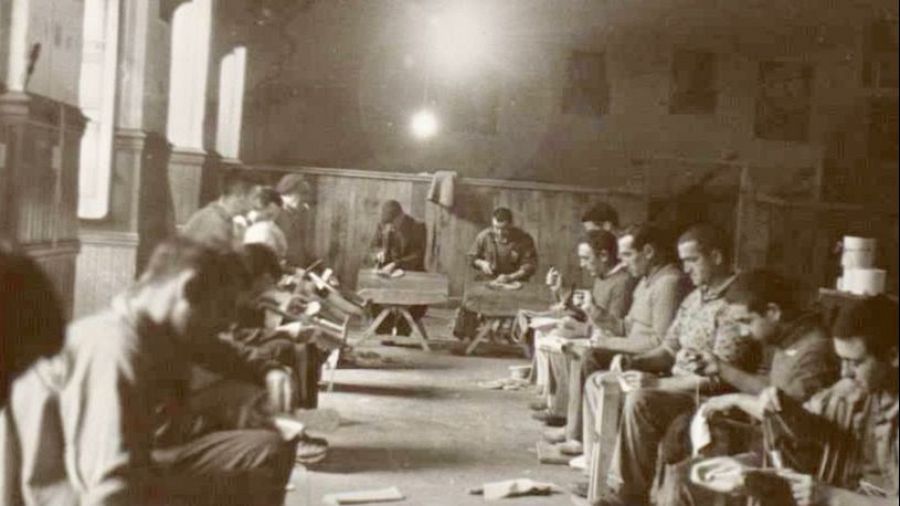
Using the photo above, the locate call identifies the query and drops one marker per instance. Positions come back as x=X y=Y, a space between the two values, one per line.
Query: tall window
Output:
x=231 y=100
x=97 y=98
x=188 y=73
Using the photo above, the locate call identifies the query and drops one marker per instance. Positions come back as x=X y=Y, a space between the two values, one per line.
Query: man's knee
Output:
x=267 y=449
x=638 y=402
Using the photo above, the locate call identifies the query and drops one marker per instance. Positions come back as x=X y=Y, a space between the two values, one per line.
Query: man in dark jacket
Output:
x=398 y=243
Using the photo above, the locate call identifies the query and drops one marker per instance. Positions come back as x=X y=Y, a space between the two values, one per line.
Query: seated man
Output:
x=598 y=256
x=502 y=252
x=766 y=306
x=601 y=216
x=398 y=243
x=660 y=287
x=660 y=384
x=131 y=435
x=840 y=447
x=297 y=195
x=214 y=225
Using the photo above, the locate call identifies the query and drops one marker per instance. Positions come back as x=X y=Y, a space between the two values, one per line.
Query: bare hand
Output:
x=698 y=361
x=806 y=489
x=584 y=300
x=280 y=389
x=381 y=256
x=504 y=278
x=485 y=267
x=391 y=267
x=768 y=398
x=554 y=279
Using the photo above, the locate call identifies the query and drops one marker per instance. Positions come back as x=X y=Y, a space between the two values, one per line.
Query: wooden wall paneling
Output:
x=106 y=266
x=349 y=201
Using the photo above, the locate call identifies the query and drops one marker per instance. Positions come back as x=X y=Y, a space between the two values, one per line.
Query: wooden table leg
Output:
x=416 y=327
x=370 y=330
x=481 y=336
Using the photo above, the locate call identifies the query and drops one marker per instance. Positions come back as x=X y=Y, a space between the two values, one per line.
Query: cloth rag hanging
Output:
x=443 y=186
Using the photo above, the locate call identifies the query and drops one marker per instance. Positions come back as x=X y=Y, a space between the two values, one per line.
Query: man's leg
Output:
x=602 y=406
x=646 y=414
x=558 y=400
x=541 y=364
x=465 y=324
x=580 y=370
x=239 y=468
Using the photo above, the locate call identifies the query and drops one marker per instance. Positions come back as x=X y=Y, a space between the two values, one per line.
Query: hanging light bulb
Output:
x=424 y=124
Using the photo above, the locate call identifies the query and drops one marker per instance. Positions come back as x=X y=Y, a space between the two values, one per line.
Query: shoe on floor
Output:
x=555 y=435
x=580 y=488
x=549 y=418
x=538 y=405
x=579 y=462
x=311 y=450
x=570 y=447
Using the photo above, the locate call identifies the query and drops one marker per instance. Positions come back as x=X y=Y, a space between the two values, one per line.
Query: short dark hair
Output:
x=264 y=196
x=601 y=241
x=502 y=215
x=293 y=183
x=214 y=269
x=655 y=236
x=709 y=238
x=600 y=213
x=237 y=182
x=260 y=260
x=758 y=288
x=32 y=323
x=872 y=319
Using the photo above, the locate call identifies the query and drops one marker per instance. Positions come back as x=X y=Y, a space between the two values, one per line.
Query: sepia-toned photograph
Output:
x=449 y=252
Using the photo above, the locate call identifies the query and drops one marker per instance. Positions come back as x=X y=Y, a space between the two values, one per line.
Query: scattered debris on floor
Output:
x=390 y=494
x=364 y=359
x=505 y=384
x=514 y=488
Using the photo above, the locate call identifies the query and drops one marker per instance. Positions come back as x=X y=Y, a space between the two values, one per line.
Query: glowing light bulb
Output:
x=424 y=124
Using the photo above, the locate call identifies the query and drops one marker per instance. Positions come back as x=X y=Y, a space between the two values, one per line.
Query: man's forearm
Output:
x=689 y=383
x=741 y=380
x=625 y=344
x=658 y=359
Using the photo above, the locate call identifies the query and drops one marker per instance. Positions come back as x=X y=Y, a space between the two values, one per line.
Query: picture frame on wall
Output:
x=783 y=103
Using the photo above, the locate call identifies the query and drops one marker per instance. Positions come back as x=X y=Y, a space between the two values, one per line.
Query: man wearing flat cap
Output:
x=297 y=196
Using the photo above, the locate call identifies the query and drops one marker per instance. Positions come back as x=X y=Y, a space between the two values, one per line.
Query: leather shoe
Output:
x=555 y=435
x=549 y=419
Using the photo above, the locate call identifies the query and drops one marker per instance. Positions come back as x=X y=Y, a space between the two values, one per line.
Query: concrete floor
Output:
x=422 y=424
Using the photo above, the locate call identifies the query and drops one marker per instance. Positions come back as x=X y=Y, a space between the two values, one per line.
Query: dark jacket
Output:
x=519 y=253
x=403 y=241
x=211 y=226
